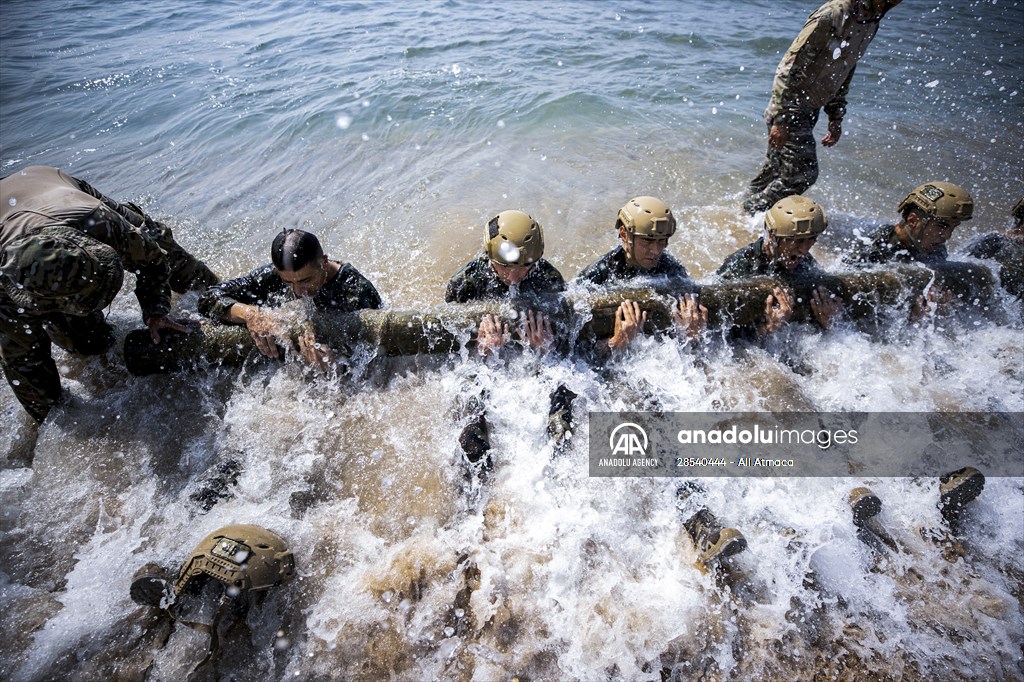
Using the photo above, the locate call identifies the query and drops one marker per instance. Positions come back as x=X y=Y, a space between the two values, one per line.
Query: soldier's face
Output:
x=643 y=252
x=929 y=234
x=306 y=281
x=511 y=274
x=935 y=234
x=789 y=253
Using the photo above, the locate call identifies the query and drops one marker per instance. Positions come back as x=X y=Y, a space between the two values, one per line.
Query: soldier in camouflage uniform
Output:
x=512 y=266
x=63 y=250
x=791 y=227
x=644 y=226
x=814 y=73
x=300 y=269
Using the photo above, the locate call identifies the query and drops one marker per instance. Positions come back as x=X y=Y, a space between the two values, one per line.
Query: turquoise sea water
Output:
x=396 y=122
x=394 y=130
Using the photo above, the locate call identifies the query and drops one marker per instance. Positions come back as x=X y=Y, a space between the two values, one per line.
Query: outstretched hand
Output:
x=158 y=322
x=690 y=315
x=778 y=136
x=835 y=131
x=315 y=354
x=825 y=306
x=491 y=335
x=267 y=332
x=778 y=309
x=536 y=331
x=629 y=321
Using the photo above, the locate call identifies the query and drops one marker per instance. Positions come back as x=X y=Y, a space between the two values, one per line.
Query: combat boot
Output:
x=475 y=441
x=712 y=541
x=151 y=586
x=864 y=504
x=560 y=418
x=956 y=489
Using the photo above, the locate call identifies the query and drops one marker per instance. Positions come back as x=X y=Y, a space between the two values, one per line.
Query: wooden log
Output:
x=448 y=328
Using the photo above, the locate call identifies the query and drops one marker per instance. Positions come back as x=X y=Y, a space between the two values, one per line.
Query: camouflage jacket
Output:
x=752 y=261
x=611 y=269
x=817 y=68
x=478 y=281
x=347 y=292
x=39 y=197
x=883 y=246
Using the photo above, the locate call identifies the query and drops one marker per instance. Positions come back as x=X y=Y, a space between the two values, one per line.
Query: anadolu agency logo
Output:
x=628 y=440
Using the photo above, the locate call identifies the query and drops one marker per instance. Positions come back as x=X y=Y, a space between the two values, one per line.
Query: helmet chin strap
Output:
x=631 y=251
x=771 y=244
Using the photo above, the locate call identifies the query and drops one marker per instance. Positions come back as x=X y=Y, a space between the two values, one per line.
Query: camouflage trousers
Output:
x=29 y=368
x=789 y=170
x=187 y=271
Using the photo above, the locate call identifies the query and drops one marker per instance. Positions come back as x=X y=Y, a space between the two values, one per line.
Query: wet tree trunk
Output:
x=446 y=329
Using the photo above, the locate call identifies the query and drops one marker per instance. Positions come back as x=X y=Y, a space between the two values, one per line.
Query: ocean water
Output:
x=394 y=131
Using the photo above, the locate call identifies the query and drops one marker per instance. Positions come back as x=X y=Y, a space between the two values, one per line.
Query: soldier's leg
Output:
x=88 y=335
x=560 y=416
x=767 y=174
x=789 y=170
x=187 y=271
x=28 y=367
x=475 y=438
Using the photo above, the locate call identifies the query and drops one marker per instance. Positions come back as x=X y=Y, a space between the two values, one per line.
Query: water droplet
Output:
x=508 y=252
x=12 y=201
x=343 y=121
x=501 y=123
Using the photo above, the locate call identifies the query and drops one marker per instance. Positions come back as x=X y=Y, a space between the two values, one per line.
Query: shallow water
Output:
x=394 y=132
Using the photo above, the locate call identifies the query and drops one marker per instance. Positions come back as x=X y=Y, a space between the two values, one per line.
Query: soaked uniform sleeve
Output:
x=882 y=247
x=836 y=108
x=259 y=287
x=598 y=272
x=464 y=284
x=139 y=254
x=789 y=90
x=28 y=366
x=987 y=246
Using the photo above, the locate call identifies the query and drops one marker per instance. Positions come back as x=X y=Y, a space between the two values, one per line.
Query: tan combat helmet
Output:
x=647 y=217
x=243 y=557
x=513 y=238
x=940 y=200
x=795 y=217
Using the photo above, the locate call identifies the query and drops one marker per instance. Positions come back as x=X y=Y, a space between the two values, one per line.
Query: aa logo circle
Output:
x=628 y=439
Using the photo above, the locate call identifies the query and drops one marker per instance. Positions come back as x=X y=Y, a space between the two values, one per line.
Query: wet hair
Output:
x=293 y=250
